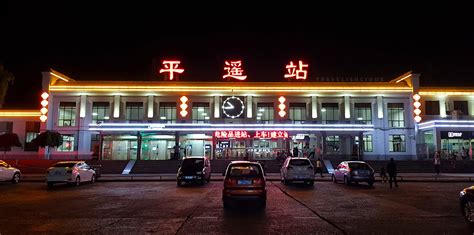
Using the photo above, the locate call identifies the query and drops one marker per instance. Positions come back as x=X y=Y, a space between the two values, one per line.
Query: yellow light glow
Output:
x=282 y=106
x=183 y=113
x=281 y=99
x=44 y=110
x=183 y=106
x=43 y=118
x=44 y=95
x=417 y=111
x=44 y=103
x=446 y=93
x=403 y=78
x=19 y=113
x=184 y=99
x=417 y=119
x=62 y=78
x=416 y=97
x=282 y=113
x=417 y=104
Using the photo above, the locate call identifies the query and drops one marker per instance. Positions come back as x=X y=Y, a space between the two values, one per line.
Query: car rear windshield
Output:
x=362 y=166
x=68 y=164
x=299 y=162
x=244 y=170
x=193 y=162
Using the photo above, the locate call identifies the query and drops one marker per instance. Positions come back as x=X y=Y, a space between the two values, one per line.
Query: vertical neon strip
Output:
x=249 y=106
x=442 y=106
x=151 y=103
x=117 y=106
x=379 y=107
x=217 y=107
x=314 y=105
x=82 y=111
x=347 y=107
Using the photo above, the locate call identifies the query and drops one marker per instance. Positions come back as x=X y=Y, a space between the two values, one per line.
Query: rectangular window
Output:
x=396 y=115
x=67 y=114
x=333 y=144
x=363 y=113
x=265 y=113
x=431 y=107
x=297 y=112
x=32 y=130
x=201 y=112
x=167 y=112
x=95 y=144
x=6 y=127
x=461 y=106
x=68 y=144
x=368 y=143
x=330 y=113
x=100 y=112
x=396 y=143
x=134 y=112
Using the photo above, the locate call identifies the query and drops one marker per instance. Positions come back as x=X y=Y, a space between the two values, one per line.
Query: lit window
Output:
x=297 y=112
x=134 y=112
x=167 y=112
x=201 y=113
x=396 y=143
x=330 y=113
x=396 y=115
x=67 y=114
x=68 y=144
x=100 y=112
x=265 y=113
x=363 y=113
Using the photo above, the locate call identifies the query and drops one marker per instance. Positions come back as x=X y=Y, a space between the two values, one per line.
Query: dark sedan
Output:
x=466 y=198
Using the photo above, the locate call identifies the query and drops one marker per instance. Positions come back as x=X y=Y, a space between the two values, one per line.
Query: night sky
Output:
x=120 y=42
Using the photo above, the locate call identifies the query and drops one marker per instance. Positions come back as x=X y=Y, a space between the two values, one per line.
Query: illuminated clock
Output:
x=233 y=107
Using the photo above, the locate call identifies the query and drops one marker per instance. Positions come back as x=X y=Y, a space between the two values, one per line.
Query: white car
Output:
x=297 y=169
x=70 y=172
x=9 y=173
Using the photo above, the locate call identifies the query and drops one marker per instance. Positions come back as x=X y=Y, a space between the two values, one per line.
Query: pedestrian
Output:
x=383 y=174
x=295 y=151
x=392 y=172
x=453 y=160
x=463 y=154
x=319 y=167
x=437 y=162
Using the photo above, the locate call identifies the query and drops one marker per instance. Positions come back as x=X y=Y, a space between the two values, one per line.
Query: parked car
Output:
x=71 y=173
x=466 y=199
x=297 y=169
x=9 y=173
x=194 y=170
x=244 y=180
x=353 y=171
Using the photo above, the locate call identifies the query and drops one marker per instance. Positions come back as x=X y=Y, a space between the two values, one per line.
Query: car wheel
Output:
x=50 y=185
x=93 y=179
x=178 y=183
x=334 y=180
x=347 y=181
x=78 y=181
x=16 y=178
x=467 y=211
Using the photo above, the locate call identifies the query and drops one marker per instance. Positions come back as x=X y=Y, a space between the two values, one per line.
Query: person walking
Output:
x=319 y=167
x=295 y=152
x=383 y=174
x=392 y=172
x=437 y=162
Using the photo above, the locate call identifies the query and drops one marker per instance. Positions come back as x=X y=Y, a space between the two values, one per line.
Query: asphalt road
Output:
x=163 y=208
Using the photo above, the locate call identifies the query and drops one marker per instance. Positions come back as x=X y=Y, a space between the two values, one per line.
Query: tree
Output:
x=48 y=139
x=9 y=140
x=6 y=79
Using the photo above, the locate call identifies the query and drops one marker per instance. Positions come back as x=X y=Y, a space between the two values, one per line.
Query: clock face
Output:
x=233 y=107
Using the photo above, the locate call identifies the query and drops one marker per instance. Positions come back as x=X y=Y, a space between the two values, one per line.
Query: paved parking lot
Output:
x=163 y=208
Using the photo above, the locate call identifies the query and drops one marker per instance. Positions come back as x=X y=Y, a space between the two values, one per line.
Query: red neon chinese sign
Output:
x=299 y=74
x=231 y=134
x=171 y=67
x=234 y=70
x=271 y=134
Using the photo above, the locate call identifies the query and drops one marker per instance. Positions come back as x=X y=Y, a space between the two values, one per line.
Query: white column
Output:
x=442 y=106
x=471 y=106
x=379 y=107
x=150 y=103
x=314 y=107
x=82 y=110
x=117 y=106
x=249 y=106
x=217 y=107
x=347 y=107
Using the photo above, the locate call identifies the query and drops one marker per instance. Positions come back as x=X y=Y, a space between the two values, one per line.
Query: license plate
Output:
x=244 y=182
x=188 y=177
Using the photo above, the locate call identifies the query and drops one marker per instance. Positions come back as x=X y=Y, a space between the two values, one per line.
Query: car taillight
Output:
x=259 y=181
x=227 y=182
